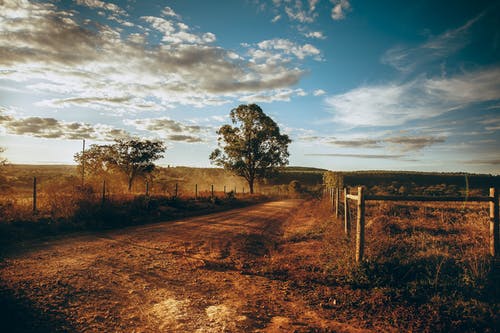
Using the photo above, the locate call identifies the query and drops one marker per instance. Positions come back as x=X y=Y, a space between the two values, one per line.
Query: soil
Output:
x=201 y=274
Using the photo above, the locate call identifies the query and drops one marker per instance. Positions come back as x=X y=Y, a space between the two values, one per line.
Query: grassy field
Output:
x=426 y=267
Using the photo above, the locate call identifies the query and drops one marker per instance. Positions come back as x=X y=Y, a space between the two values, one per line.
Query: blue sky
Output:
x=357 y=85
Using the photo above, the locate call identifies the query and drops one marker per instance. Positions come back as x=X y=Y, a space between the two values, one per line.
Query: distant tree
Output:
x=254 y=147
x=133 y=157
x=96 y=160
x=3 y=160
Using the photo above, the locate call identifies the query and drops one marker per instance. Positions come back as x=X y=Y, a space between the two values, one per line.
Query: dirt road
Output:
x=191 y=275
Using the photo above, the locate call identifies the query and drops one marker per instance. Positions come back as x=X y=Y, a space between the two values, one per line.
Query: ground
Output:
x=202 y=274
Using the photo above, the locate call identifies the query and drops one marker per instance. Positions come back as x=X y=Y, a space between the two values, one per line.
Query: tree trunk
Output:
x=250 y=184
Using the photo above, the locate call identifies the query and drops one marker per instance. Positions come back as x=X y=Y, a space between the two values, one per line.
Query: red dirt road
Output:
x=184 y=276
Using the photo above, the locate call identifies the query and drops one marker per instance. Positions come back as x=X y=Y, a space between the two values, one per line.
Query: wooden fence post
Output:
x=224 y=189
x=494 y=223
x=337 y=199
x=360 y=226
x=176 y=189
x=331 y=197
x=103 y=191
x=196 y=191
x=347 y=226
x=147 y=188
x=34 y=195
x=212 y=191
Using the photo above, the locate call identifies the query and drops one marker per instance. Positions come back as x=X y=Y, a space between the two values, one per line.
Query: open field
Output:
x=277 y=267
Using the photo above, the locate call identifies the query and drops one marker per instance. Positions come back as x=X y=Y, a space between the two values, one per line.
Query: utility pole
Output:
x=83 y=163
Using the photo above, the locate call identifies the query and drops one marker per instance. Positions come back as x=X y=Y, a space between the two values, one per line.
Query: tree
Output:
x=133 y=157
x=254 y=147
x=3 y=160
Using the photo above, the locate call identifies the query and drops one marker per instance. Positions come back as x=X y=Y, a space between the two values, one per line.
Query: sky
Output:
x=357 y=85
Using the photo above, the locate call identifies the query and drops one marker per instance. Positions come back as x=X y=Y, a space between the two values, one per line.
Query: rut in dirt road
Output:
x=158 y=277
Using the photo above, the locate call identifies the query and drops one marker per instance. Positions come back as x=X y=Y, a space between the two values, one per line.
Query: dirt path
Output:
x=186 y=276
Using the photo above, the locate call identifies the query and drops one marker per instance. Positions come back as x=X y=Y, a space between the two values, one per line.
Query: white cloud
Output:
x=102 y=5
x=340 y=8
x=276 y=18
x=170 y=129
x=288 y=47
x=407 y=59
x=395 y=104
x=315 y=34
x=51 y=128
x=167 y=11
x=282 y=95
x=319 y=92
x=101 y=67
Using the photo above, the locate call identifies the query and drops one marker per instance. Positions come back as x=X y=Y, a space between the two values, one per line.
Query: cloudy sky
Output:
x=400 y=85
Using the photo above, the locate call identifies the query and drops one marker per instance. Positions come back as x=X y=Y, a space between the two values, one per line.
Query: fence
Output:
x=360 y=198
x=197 y=192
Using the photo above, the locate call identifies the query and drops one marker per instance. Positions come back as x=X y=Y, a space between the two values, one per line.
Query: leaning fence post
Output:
x=337 y=198
x=34 y=195
x=494 y=223
x=347 y=227
x=360 y=226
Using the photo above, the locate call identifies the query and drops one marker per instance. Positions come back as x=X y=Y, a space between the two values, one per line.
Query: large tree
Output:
x=133 y=157
x=254 y=147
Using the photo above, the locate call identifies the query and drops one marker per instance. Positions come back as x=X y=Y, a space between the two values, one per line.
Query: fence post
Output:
x=196 y=191
x=360 y=226
x=104 y=191
x=34 y=195
x=347 y=226
x=176 y=189
x=494 y=223
x=212 y=191
x=337 y=199
x=224 y=189
x=147 y=188
x=330 y=194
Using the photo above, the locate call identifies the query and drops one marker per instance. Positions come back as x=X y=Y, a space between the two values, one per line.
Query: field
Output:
x=278 y=266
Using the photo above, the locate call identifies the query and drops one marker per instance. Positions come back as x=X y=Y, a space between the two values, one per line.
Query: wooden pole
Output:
x=103 y=191
x=347 y=226
x=494 y=223
x=83 y=163
x=212 y=190
x=224 y=189
x=176 y=189
x=34 y=195
x=360 y=226
x=196 y=191
x=337 y=198
x=332 y=197
x=147 y=188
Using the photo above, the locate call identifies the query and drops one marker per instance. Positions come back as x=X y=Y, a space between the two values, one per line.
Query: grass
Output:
x=426 y=268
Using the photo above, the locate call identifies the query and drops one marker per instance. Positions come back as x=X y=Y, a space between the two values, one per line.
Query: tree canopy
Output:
x=254 y=147
x=132 y=157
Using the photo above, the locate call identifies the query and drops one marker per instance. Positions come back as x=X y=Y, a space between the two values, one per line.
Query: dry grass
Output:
x=426 y=267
